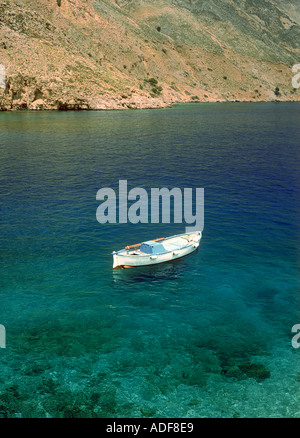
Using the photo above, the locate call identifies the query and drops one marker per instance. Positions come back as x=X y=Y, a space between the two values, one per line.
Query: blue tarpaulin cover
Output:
x=152 y=247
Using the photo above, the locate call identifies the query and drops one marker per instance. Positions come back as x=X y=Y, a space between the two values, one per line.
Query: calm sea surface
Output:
x=206 y=336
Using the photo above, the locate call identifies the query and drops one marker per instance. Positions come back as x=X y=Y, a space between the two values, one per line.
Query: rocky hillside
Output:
x=106 y=54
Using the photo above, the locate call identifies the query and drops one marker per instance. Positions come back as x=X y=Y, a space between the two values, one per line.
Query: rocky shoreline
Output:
x=123 y=106
x=106 y=102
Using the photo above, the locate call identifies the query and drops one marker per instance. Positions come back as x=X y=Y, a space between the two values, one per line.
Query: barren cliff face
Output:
x=105 y=54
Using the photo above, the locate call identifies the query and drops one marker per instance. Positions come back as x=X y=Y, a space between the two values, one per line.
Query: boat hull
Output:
x=125 y=261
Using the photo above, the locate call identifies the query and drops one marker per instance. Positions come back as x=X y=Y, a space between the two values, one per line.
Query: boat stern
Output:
x=196 y=237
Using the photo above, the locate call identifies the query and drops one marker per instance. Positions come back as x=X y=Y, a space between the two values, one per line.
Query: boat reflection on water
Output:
x=172 y=270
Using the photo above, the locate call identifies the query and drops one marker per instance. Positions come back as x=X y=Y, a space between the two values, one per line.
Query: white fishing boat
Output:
x=156 y=251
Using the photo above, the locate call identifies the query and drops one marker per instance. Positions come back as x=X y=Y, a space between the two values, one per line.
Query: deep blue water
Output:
x=206 y=336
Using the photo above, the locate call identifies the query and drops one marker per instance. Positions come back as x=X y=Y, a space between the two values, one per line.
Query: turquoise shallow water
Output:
x=207 y=336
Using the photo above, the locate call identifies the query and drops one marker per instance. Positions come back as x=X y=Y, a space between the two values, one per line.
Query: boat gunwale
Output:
x=119 y=253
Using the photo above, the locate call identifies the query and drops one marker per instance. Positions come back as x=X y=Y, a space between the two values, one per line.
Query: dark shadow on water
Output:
x=172 y=270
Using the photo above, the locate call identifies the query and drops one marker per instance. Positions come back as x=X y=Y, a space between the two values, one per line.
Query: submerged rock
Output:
x=255 y=370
